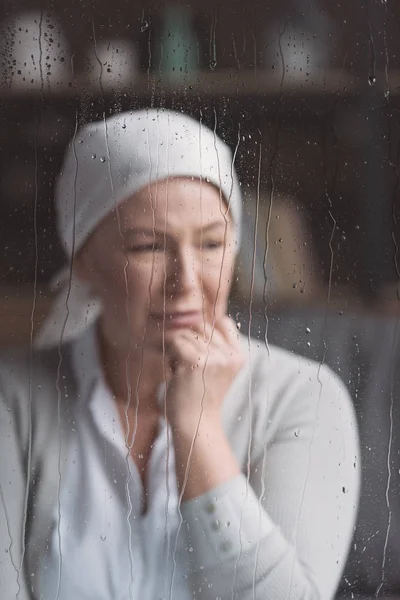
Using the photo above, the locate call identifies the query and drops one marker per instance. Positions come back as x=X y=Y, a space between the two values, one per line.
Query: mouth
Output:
x=178 y=319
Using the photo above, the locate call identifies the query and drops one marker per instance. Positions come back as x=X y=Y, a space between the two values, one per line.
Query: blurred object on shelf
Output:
x=175 y=49
x=110 y=64
x=300 y=47
x=291 y=272
x=34 y=53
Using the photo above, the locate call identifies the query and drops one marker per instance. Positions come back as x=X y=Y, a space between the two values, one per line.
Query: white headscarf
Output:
x=106 y=163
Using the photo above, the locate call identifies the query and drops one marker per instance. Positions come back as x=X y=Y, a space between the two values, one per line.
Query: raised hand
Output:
x=203 y=366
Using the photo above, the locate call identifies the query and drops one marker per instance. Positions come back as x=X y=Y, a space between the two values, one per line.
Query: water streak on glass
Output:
x=213 y=40
x=386 y=53
x=127 y=309
x=389 y=457
x=187 y=468
x=35 y=207
x=166 y=365
x=60 y=360
x=127 y=360
x=250 y=381
x=372 y=52
x=395 y=334
x=271 y=182
x=203 y=308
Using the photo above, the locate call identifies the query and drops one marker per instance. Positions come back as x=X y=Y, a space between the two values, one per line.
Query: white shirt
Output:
x=103 y=543
x=285 y=526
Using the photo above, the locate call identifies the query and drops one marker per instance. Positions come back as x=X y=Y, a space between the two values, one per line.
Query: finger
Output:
x=201 y=331
x=173 y=337
x=184 y=349
x=216 y=338
x=214 y=333
x=213 y=338
x=227 y=327
x=224 y=345
x=233 y=340
x=206 y=351
x=190 y=349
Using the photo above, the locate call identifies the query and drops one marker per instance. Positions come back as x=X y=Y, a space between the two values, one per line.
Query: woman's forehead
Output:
x=179 y=201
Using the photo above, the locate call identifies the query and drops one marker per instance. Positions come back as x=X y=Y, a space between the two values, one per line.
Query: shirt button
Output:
x=225 y=546
x=210 y=508
x=215 y=525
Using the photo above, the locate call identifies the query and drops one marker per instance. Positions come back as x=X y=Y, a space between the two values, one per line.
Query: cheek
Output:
x=145 y=275
x=123 y=275
x=217 y=278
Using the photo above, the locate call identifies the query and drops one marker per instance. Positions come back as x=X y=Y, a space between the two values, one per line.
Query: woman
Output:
x=149 y=450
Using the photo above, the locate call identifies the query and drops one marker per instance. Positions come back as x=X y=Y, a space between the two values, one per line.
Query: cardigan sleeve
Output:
x=285 y=532
x=12 y=500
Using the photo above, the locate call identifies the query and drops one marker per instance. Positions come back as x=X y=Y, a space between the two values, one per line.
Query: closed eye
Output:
x=146 y=248
x=212 y=245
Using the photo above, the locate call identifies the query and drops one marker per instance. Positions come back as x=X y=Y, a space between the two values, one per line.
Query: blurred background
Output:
x=307 y=94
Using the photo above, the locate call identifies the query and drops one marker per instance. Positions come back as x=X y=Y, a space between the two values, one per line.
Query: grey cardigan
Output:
x=304 y=468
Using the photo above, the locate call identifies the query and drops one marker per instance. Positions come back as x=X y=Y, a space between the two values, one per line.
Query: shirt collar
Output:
x=87 y=365
x=86 y=362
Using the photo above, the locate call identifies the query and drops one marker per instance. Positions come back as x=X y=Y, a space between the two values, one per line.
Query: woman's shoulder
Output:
x=286 y=383
x=270 y=361
x=21 y=360
x=30 y=375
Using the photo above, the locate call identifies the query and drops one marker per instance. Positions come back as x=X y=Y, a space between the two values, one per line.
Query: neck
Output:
x=133 y=375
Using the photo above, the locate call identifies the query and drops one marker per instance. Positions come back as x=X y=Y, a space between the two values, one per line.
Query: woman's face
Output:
x=162 y=261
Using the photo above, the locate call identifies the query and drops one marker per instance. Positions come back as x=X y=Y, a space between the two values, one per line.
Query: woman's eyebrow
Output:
x=156 y=231
x=214 y=225
x=143 y=231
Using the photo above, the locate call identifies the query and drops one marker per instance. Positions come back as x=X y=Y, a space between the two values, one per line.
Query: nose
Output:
x=182 y=272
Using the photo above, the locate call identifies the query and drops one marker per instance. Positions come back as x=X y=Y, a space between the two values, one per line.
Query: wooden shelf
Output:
x=257 y=82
